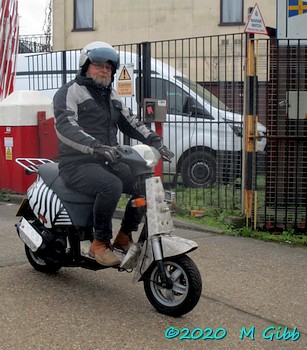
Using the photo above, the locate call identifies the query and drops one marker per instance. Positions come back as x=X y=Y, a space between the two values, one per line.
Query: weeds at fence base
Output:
x=5 y=196
x=231 y=223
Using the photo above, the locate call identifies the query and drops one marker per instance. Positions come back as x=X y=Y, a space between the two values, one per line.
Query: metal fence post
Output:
x=249 y=126
x=146 y=46
x=64 y=72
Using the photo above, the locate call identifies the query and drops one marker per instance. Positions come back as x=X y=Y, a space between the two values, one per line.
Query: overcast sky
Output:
x=31 y=16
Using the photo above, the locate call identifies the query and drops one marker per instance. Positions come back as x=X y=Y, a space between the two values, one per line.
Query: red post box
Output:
x=19 y=136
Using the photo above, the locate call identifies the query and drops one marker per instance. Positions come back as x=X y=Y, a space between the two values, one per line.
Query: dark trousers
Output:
x=106 y=184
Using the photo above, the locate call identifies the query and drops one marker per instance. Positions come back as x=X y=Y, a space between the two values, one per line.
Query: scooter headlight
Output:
x=149 y=154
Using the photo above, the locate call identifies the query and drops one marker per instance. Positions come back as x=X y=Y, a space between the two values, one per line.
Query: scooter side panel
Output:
x=81 y=214
x=46 y=205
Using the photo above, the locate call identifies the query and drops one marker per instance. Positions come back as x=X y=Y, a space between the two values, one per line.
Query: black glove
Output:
x=155 y=141
x=163 y=150
x=105 y=153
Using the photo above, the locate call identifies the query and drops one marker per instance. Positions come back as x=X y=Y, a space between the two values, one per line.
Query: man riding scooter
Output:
x=88 y=113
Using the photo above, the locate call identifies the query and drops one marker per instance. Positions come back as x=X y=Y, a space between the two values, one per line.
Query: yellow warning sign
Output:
x=125 y=89
x=124 y=75
x=125 y=80
x=8 y=153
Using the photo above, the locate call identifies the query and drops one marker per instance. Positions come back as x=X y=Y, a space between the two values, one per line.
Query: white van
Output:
x=206 y=137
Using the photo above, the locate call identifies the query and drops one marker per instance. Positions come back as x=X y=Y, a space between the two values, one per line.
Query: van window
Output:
x=176 y=98
x=165 y=90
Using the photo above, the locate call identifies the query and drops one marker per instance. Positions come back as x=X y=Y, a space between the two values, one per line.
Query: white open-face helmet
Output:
x=98 y=52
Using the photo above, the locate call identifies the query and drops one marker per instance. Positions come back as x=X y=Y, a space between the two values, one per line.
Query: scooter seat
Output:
x=49 y=172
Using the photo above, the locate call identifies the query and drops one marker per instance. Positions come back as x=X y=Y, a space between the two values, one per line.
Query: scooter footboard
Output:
x=171 y=246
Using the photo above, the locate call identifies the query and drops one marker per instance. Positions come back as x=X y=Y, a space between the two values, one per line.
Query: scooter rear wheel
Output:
x=40 y=264
x=183 y=296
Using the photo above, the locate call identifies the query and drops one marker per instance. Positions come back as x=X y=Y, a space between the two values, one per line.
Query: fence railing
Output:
x=35 y=43
x=203 y=81
x=282 y=200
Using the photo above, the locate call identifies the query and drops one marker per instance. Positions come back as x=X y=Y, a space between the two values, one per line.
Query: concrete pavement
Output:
x=254 y=297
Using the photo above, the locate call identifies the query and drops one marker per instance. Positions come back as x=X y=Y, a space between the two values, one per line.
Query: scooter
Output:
x=57 y=229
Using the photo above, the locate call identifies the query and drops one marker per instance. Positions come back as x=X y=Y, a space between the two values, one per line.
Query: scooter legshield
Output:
x=160 y=225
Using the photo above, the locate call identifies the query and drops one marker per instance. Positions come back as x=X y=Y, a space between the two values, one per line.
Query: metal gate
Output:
x=204 y=82
x=279 y=197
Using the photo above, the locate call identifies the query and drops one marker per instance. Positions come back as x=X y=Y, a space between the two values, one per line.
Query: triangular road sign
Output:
x=124 y=75
x=255 y=24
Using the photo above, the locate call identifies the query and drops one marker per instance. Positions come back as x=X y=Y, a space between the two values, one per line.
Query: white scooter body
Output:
x=53 y=216
x=160 y=243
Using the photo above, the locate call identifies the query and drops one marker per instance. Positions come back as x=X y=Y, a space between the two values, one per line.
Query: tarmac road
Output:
x=249 y=286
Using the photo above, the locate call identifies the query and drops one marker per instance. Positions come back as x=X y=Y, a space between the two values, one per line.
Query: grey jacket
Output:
x=86 y=116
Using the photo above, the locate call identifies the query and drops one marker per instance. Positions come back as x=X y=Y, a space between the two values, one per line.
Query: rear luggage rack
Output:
x=32 y=164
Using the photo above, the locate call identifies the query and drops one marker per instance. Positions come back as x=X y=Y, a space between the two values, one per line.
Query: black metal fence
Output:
x=202 y=79
x=281 y=203
x=35 y=43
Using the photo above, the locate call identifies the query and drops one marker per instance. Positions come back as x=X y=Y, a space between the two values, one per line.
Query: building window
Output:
x=83 y=14
x=231 y=12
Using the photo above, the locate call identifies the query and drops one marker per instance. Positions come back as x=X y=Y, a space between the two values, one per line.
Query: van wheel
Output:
x=199 y=169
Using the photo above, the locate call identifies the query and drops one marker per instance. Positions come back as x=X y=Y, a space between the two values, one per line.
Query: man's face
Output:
x=100 y=73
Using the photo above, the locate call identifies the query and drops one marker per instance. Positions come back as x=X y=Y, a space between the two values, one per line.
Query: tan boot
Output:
x=123 y=241
x=103 y=254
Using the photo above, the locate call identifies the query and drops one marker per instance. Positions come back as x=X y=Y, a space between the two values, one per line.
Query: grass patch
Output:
x=5 y=196
x=287 y=237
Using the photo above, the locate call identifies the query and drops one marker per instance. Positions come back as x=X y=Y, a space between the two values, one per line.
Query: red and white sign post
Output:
x=8 y=45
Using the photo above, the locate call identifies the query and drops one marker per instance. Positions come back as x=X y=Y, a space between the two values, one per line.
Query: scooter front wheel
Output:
x=40 y=264
x=186 y=288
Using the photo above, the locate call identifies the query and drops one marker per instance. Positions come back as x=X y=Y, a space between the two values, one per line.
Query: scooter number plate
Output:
x=29 y=236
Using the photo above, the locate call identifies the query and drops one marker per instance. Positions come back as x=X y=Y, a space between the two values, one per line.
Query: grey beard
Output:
x=102 y=83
